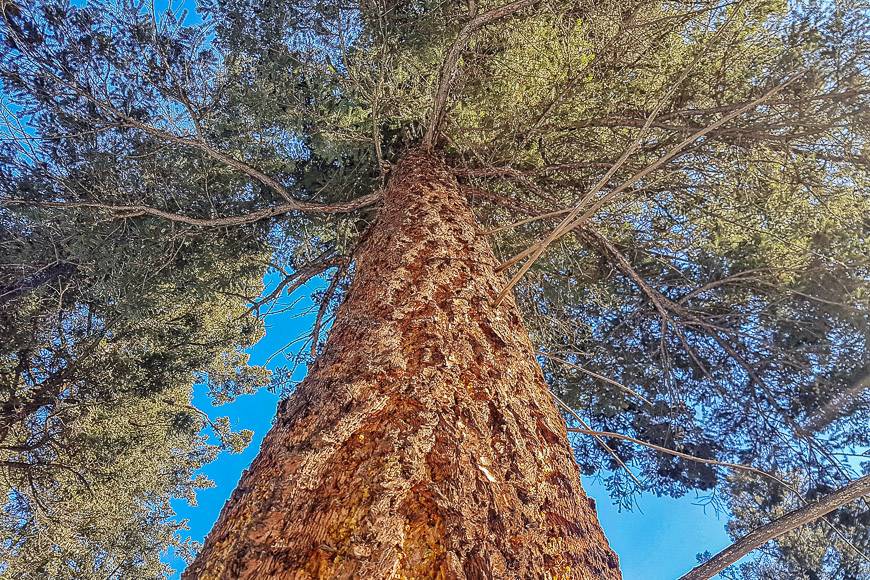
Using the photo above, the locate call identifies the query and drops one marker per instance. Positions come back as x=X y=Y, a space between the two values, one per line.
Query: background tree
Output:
x=677 y=189
x=105 y=326
x=98 y=363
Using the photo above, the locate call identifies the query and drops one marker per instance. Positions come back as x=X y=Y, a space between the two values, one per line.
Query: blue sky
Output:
x=656 y=541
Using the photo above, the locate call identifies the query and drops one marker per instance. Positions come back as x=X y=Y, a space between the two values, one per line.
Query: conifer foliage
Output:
x=677 y=189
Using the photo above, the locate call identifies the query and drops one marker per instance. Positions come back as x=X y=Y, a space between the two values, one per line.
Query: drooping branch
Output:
x=727 y=465
x=129 y=211
x=848 y=493
x=292 y=282
x=204 y=147
x=670 y=310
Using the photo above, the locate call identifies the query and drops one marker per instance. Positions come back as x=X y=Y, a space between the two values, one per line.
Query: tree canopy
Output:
x=678 y=190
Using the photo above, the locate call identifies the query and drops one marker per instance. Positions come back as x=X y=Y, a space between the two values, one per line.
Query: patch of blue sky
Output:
x=292 y=317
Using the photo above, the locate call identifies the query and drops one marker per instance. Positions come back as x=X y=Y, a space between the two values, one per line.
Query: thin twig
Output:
x=674 y=452
x=619 y=385
x=324 y=305
x=601 y=441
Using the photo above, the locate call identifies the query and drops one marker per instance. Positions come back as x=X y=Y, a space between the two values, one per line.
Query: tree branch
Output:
x=448 y=67
x=124 y=120
x=595 y=375
x=782 y=525
x=602 y=442
x=324 y=306
x=575 y=218
x=128 y=211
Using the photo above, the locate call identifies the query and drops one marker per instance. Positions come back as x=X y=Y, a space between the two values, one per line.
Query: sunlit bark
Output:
x=424 y=442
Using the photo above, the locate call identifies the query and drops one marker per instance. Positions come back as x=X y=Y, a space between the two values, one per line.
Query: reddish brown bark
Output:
x=423 y=443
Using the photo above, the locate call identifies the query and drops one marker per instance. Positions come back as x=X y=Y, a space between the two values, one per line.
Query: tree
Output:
x=104 y=326
x=97 y=364
x=676 y=190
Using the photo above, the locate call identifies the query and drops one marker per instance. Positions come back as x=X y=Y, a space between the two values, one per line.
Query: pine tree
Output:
x=655 y=209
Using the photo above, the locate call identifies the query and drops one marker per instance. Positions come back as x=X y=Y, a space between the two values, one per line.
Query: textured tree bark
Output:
x=423 y=443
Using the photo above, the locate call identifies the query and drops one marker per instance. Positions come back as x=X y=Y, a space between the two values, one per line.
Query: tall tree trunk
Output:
x=423 y=443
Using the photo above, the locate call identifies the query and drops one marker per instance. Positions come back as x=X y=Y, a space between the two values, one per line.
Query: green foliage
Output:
x=106 y=325
x=97 y=367
x=719 y=280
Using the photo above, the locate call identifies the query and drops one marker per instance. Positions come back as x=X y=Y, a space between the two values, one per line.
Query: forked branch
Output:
x=575 y=218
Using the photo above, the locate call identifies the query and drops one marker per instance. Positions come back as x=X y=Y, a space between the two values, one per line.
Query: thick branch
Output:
x=782 y=525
